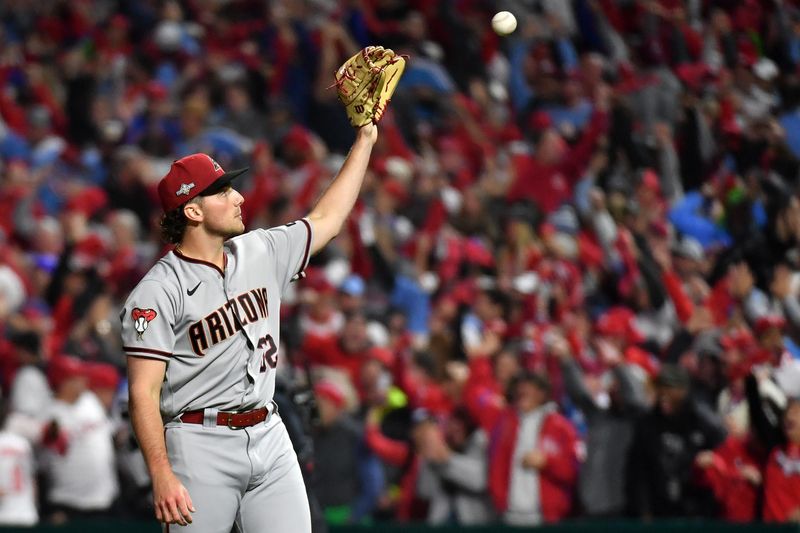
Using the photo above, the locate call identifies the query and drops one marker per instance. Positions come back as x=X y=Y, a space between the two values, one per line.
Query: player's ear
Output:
x=193 y=211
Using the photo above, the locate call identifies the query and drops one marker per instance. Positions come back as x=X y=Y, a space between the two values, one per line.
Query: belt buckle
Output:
x=231 y=426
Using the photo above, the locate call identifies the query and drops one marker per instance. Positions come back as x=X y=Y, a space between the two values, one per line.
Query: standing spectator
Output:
x=534 y=457
x=666 y=442
x=734 y=475
x=785 y=369
x=489 y=377
x=487 y=319
x=17 y=480
x=82 y=478
x=782 y=473
x=778 y=432
x=548 y=177
x=91 y=333
x=348 y=478
x=611 y=407
x=403 y=454
x=453 y=472
x=30 y=396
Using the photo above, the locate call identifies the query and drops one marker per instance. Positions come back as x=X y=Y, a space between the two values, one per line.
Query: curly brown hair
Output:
x=173 y=224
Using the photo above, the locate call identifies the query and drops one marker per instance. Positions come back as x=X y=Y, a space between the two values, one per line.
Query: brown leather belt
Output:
x=231 y=420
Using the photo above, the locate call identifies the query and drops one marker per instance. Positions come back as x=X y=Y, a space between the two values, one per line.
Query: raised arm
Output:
x=332 y=209
x=364 y=84
x=576 y=389
x=631 y=392
x=172 y=502
x=469 y=469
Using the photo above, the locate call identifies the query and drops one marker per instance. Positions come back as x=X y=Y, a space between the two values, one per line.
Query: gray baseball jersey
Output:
x=218 y=331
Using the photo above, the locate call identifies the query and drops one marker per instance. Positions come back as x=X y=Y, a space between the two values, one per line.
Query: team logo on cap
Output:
x=141 y=319
x=217 y=168
x=184 y=189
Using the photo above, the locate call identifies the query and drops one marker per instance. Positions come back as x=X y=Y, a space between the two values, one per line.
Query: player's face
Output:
x=222 y=213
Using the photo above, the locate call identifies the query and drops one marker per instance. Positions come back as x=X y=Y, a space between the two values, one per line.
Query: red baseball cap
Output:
x=765 y=323
x=64 y=367
x=331 y=391
x=192 y=176
x=740 y=339
x=102 y=376
x=382 y=355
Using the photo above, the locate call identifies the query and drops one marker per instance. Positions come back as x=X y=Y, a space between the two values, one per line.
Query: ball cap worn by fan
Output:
x=62 y=368
x=192 y=176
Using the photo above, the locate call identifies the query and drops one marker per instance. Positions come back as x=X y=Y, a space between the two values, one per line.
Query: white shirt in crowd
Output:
x=787 y=375
x=524 y=507
x=29 y=404
x=30 y=392
x=17 y=485
x=84 y=477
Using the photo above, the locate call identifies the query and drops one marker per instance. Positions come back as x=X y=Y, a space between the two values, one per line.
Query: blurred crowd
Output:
x=570 y=287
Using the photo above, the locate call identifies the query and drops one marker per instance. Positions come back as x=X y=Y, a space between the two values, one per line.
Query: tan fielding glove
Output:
x=365 y=83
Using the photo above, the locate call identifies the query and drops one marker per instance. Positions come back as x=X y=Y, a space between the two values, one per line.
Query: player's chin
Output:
x=235 y=229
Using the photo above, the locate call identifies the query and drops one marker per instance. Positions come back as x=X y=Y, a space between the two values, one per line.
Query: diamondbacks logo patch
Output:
x=141 y=319
x=216 y=166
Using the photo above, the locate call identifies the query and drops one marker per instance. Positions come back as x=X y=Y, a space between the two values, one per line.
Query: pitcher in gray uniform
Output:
x=202 y=330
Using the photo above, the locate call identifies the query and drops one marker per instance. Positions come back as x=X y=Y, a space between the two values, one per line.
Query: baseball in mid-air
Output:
x=504 y=22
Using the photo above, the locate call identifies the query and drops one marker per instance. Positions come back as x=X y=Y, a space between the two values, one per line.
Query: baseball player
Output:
x=202 y=330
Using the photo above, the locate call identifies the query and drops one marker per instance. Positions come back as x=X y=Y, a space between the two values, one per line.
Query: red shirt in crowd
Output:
x=550 y=185
x=559 y=441
x=327 y=351
x=782 y=484
x=737 y=495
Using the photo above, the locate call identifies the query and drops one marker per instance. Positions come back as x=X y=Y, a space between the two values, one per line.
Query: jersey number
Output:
x=270 y=355
x=16 y=483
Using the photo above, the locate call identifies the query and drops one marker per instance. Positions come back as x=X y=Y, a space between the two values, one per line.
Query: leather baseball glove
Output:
x=365 y=83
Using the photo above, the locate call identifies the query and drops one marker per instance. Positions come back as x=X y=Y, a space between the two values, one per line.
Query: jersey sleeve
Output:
x=148 y=321
x=290 y=245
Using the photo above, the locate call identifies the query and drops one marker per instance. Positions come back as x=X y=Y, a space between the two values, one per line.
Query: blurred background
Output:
x=568 y=292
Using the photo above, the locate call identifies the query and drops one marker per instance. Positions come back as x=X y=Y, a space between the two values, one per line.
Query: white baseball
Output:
x=504 y=22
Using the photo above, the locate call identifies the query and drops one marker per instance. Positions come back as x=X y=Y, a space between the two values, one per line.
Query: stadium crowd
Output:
x=570 y=288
